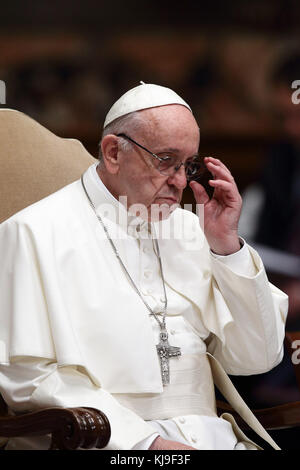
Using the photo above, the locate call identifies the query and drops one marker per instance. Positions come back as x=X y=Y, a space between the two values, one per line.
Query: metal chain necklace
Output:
x=164 y=349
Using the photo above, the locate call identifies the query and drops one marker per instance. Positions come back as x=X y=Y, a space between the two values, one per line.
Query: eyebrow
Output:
x=177 y=152
x=170 y=149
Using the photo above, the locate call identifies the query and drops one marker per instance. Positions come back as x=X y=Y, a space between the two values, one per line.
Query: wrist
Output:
x=226 y=247
x=156 y=443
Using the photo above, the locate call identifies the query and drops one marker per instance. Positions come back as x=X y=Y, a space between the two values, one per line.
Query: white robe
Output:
x=58 y=284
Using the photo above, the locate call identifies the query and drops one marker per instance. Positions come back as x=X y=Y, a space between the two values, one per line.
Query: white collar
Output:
x=109 y=207
x=99 y=181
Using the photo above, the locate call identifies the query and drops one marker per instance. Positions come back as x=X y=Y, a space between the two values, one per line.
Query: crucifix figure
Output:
x=165 y=351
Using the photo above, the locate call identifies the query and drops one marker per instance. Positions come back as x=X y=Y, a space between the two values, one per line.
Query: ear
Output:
x=109 y=148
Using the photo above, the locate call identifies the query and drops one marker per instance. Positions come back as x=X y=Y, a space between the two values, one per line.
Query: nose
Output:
x=178 y=179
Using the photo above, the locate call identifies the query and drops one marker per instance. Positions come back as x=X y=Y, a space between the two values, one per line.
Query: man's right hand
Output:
x=162 y=444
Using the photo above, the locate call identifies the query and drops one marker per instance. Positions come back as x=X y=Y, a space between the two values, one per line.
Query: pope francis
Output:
x=114 y=297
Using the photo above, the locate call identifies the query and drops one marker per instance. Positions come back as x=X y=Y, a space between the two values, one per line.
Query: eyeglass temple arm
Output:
x=162 y=159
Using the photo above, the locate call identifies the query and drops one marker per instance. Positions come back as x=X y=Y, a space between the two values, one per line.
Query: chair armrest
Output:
x=276 y=417
x=71 y=428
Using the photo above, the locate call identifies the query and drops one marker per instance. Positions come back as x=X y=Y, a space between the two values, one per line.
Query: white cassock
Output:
x=74 y=332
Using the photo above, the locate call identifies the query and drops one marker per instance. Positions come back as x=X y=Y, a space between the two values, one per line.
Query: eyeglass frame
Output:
x=161 y=159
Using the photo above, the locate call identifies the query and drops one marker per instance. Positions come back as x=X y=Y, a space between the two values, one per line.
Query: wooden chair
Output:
x=38 y=163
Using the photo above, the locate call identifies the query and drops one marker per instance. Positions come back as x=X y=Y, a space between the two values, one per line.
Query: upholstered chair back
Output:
x=34 y=162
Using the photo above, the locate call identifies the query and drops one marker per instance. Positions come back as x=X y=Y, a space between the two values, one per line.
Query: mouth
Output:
x=169 y=199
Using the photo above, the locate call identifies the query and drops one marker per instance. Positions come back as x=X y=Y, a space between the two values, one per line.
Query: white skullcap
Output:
x=143 y=96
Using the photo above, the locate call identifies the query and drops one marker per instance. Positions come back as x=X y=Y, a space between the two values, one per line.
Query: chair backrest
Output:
x=34 y=162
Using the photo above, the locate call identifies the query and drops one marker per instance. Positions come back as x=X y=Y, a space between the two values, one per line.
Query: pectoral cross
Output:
x=165 y=351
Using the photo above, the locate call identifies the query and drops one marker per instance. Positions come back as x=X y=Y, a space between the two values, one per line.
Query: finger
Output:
x=220 y=171
x=217 y=162
x=200 y=194
x=226 y=187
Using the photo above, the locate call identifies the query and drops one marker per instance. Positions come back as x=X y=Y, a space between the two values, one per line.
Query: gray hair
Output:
x=129 y=123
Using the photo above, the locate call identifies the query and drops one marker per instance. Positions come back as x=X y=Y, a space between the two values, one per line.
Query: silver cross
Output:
x=165 y=351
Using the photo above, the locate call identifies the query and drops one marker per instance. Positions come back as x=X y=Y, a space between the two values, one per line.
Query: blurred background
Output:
x=65 y=62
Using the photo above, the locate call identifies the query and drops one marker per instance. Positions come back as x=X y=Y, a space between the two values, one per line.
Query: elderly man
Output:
x=111 y=297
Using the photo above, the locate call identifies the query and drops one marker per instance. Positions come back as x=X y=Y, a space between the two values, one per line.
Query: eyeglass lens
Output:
x=193 y=169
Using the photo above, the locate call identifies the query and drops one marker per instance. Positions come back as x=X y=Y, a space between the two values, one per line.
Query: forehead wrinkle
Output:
x=157 y=120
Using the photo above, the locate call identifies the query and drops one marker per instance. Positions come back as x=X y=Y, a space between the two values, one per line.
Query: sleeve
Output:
x=145 y=443
x=29 y=384
x=248 y=319
x=240 y=262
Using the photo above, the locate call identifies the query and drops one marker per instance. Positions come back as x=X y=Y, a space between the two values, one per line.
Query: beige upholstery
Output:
x=34 y=162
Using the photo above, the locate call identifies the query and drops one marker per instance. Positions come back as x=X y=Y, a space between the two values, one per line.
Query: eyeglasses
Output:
x=194 y=168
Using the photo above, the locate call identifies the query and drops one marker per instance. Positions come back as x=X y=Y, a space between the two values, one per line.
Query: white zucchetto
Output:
x=143 y=96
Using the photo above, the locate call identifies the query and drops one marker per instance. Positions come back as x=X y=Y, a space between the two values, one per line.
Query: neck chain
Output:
x=164 y=350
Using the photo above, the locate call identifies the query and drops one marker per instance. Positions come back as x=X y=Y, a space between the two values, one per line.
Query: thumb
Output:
x=200 y=194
